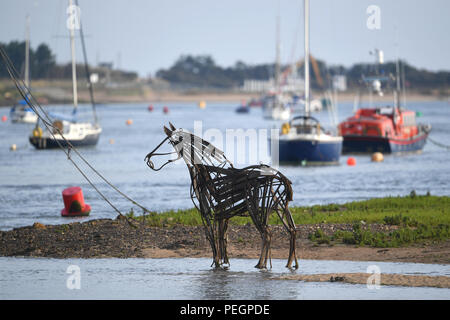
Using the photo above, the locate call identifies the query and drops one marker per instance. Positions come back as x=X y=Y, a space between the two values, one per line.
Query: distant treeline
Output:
x=43 y=64
x=202 y=71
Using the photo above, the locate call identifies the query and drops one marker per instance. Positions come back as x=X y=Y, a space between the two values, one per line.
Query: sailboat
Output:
x=69 y=130
x=275 y=105
x=21 y=112
x=303 y=140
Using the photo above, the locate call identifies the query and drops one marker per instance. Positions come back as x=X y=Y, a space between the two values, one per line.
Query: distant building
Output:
x=340 y=83
x=260 y=86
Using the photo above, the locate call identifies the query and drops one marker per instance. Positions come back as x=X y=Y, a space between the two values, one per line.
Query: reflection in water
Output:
x=37 y=278
x=226 y=284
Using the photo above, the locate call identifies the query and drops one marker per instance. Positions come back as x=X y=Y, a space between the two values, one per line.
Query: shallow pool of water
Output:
x=186 y=278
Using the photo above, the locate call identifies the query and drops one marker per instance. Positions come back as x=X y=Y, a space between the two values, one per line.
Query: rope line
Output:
x=47 y=121
x=439 y=144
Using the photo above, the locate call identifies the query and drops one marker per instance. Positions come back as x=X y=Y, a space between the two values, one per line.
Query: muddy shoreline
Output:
x=106 y=238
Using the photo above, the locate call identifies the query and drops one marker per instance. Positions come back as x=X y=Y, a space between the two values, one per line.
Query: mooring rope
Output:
x=46 y=120
x=439 y=144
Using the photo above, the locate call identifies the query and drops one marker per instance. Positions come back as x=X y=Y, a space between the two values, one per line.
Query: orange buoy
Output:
x=74 y=203
x=351 y=161
x=166 y=109
x=4 y=118
x=129 y=122
x=377 y=157
x=150 y=108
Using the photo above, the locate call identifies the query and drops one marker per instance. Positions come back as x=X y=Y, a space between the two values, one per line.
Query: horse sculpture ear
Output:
x=168 y=131
x=172 y=126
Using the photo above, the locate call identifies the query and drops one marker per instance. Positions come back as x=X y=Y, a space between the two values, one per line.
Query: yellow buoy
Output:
x=13 y=147
x=202 y=104
x=37 y=132
x=285 y=128
x=377 y=157
x=129 y=122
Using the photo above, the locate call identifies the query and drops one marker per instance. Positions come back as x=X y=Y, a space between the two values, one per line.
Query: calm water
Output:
x=31 y=181
x=35 y=278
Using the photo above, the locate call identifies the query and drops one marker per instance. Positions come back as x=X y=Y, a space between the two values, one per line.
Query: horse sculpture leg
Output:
x=265 y=249
x=293 y=233
x=222 y=237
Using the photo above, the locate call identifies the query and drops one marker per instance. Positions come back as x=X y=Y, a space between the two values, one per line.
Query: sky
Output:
x=147 y=35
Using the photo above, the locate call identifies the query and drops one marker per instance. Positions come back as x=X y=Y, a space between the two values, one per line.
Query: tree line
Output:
x=202 y=71
x=43 y=64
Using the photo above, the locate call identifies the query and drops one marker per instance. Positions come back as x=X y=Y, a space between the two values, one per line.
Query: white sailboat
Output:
x=76 y=133
x=21 y=112
x=275 y=105
x=303 y=140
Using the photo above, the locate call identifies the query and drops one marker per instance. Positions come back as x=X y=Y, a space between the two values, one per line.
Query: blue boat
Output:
x=304 y=142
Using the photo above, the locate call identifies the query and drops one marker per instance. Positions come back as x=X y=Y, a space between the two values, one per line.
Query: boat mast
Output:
x=27 y=53
x=87 y=71
x=397 y=71
x=306 y=13
x=277 y=57
x=397 y=78
x=74 y=66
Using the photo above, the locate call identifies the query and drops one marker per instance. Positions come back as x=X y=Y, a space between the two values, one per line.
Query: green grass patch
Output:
x=430 y=210
x=403 y=236
x=419 y=218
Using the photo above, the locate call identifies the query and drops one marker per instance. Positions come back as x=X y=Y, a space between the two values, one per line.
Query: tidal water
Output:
x=36 y=278
x=31 y=181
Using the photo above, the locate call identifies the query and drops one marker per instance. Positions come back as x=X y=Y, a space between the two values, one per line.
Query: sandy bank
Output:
x=385 y=279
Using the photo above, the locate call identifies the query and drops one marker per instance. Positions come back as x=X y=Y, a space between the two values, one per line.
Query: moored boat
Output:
x=275 y=108
x=21 y=112
x=70 y=132
x=77 y=134
x=303 y=140
x=386 y=130
x=391 y=129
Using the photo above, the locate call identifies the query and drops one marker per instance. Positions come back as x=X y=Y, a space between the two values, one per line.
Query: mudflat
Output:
x=105 y=238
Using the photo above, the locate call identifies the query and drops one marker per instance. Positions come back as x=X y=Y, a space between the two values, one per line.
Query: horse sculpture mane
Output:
x=219 y=192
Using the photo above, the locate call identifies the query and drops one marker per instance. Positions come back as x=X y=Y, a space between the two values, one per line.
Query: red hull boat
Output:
x=387 y=130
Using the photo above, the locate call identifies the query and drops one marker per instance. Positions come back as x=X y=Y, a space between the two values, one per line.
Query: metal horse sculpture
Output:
x=220 y=191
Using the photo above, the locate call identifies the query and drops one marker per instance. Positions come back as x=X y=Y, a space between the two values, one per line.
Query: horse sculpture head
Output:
x=189 y=147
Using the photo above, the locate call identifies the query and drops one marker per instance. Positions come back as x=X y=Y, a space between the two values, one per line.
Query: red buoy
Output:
x=166 y=109
x=4 y=118
x=150 y=108
x=74 y=205
x=351 y=161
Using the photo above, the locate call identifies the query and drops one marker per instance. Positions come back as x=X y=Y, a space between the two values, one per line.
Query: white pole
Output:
x=27 y=53
x=277 y=59
x=306 y=12
x=74 y=65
